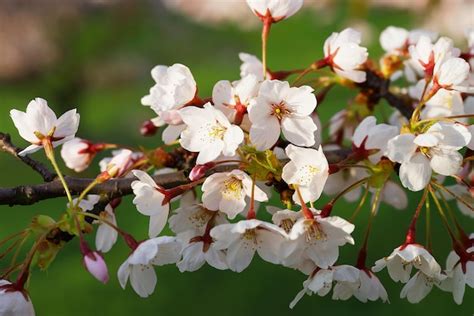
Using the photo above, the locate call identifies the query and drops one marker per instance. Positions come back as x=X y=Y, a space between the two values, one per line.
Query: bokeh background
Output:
x=97 y=56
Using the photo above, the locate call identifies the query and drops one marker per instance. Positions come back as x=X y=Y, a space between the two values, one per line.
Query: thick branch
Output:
x=8 y=147
x=380 y=89
x=30 y=194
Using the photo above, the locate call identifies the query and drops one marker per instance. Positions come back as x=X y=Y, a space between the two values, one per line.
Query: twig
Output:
x=8 y=147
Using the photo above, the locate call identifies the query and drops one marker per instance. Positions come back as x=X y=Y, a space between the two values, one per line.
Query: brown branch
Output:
x=30 y=194
x=8 y=147
x=379 y=88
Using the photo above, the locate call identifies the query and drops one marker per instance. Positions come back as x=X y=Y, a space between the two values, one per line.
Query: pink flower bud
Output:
x=96 y=266
x=199 y=171
x=148 y=128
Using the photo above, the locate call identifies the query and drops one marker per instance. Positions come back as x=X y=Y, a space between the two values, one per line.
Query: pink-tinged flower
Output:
x=39 y=122
x=95 y=264
x=174 y=88
x=150 y=201
x=228 y=192
x=139 y=265
x=401 y=261
x=78 y=153
x=320 y=281
x=342 y=51
x=233 y=98
x=308 y=169
x=121 y=162
x=209 y=132
x=365 y=286
x=242 y=239
x=281 y=108
x=199 y=171
x=317 y=239
x=14 y=302
x=276 y=9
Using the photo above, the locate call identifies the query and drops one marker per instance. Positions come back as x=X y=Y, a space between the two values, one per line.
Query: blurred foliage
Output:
x=145 y=36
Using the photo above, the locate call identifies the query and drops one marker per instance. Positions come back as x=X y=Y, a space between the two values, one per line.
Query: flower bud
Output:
x=96 y=266
x=148 y=128
x=199 y=171
x=14 y=301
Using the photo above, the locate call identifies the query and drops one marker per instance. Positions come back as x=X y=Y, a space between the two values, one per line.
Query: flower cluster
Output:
x=259 y=139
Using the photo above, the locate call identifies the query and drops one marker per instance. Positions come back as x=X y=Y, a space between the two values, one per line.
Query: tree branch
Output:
x=30 y=194
x=8 y=147
x=379 y=87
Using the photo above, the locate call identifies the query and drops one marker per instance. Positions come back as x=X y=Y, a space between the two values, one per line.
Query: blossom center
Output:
x=307 y=172
x=280 y=110
x=232 y=189
x=217 y=131
x=313 y=231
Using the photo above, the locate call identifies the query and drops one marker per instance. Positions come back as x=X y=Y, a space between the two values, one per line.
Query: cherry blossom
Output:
x=209 y=132
x=139 y=265
x=277 y=9
x=243 y=239
x=320 y=281
x=308 y=169
x=233 y=98
x=460 y=272
x=14 y=302
x=279 y=107
x=345 y=56
x=39 y=122
x=365 y=287
x=436 y=149
x=106 y=235
x=227 y=192
x=95 y=264
x=150 y=201
x=420 y=285
x=452 y=75
x=394 y=39
x=401 y=261
x=175 y=87
x=317 y=239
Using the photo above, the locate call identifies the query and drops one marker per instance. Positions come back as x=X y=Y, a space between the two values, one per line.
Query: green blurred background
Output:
x=103 y=57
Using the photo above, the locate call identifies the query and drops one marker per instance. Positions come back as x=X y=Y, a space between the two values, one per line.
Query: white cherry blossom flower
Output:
x=209 y=132
x=419 y=286
x=452 y=75
x=234 y=98
x=14 y=303
x=106 y=235
x=76 y=154
x=427 y=57
x=139 y=265
x=149 y=201
x=308 y=169
x=401 y=261
x=174 y=88
x=39 y=122
x=279 y=107
x=318 y=239
x=244 y=238
x=320 y=281
x=443 y=103
x=277 y=9
x=227 y=192
x=344 y=54
x=198 y=250
x=436 y=149
x=372 y=136
x=122 y=160
x=365 y=286
x=251 y=65
x=460 y=272
x=394 y=39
